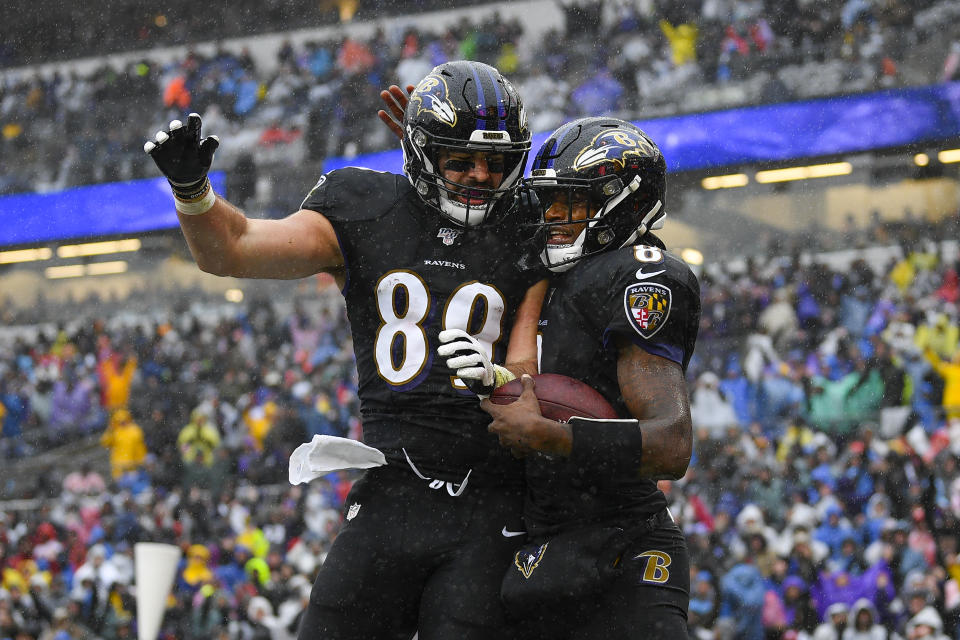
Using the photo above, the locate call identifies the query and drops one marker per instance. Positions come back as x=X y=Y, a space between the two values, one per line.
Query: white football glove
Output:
x=469 y=359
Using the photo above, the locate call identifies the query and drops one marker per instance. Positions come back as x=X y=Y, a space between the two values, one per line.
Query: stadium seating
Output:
x=826 y=475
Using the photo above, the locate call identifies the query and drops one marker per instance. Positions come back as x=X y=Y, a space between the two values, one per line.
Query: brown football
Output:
x=560 y=397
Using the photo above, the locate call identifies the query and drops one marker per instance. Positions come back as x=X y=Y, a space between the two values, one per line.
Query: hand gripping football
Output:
x=560 y=398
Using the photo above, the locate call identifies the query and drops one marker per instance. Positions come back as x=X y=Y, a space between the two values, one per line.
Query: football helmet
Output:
x=614 y=168
x=469 y=107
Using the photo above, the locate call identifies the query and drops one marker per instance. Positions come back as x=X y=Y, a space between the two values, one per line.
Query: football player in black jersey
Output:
x=621 y=315
x=431 y=252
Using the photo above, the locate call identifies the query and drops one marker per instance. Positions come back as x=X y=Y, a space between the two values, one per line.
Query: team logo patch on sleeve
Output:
x=647 y=306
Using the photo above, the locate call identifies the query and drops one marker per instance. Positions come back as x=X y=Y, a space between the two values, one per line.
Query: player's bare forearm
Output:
x=225 y=242
x=655 y=392
x=522 y=350
x=212 y=237
x=519 y=368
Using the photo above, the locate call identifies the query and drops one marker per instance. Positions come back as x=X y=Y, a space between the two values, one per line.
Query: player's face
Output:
x=572 y=206
x=466 y=169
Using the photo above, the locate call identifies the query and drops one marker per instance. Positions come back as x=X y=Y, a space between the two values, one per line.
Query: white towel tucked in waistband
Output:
x=324 y=454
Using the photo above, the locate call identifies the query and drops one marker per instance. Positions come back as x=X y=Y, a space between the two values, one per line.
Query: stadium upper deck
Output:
x=300 y=95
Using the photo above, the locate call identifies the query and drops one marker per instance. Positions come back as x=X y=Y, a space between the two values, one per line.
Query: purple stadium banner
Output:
x=778 y=132
x=693 y=142
x=110 y=209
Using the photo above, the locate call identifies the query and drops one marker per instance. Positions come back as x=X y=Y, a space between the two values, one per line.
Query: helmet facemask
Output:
x=612 y=166
x=483 y=203
x=600 y=198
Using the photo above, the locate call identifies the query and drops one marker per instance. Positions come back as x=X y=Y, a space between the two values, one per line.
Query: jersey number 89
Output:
x=401 y=346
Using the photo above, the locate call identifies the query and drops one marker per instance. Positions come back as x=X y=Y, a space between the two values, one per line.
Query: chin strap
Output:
x=620 y=197
x=642 y=229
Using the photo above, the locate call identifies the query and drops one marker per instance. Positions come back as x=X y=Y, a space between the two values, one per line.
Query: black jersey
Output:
x=410 y=273
x=640 y=294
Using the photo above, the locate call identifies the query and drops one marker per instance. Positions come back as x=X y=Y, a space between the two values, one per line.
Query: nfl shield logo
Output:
x=647 y=306
x=448 y=235
x=353 y=511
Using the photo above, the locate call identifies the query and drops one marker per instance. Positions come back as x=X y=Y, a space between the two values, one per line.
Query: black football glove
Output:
x=469 y=359
x=182 y=156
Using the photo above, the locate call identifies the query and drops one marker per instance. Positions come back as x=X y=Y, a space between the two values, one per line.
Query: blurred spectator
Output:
x=198 y=441
x=835 y=624
x=926 y=624
x=779 y=319
x=742 y=600
x=196 y=573
x=703 y=604
x=84 y=481
x=74 y=407
x=950 y=372
x=711 y=412
x=940 y=335
x=116 y=372
x=599 y=95
x=863 y=623
x=799 y=613
x=124 y=439
x=683 y=42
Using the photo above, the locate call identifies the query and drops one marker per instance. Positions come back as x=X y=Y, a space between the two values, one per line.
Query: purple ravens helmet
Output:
x=620 y=172
x=469 y=107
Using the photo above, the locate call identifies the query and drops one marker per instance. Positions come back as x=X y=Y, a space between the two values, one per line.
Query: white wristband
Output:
x=196 y=207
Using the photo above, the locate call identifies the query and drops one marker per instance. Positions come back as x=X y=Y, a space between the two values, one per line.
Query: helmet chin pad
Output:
x=560 y=258
x=461 y=213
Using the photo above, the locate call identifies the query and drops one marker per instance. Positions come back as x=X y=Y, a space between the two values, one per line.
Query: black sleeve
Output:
x=353 y=200
x=657 y=307
x=607 y=448
x=354 y=194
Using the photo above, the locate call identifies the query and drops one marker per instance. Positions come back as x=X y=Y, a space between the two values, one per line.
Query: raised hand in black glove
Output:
x=184 y=158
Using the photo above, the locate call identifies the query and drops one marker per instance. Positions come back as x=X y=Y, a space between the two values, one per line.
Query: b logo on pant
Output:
x=656 y=566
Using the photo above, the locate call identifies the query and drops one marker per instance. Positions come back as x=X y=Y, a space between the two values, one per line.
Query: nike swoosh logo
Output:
x=643 y=275
x=512 y=534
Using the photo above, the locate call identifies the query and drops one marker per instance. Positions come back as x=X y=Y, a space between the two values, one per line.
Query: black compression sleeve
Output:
x=609 y=450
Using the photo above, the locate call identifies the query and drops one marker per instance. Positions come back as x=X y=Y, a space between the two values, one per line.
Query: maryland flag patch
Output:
x=648 y=307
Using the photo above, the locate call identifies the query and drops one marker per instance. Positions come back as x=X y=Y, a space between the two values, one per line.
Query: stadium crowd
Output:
x=824 y=494
x=625 y=58
x=63 y=31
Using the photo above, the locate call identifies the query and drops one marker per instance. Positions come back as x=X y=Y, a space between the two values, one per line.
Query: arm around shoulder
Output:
x=522 y=349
